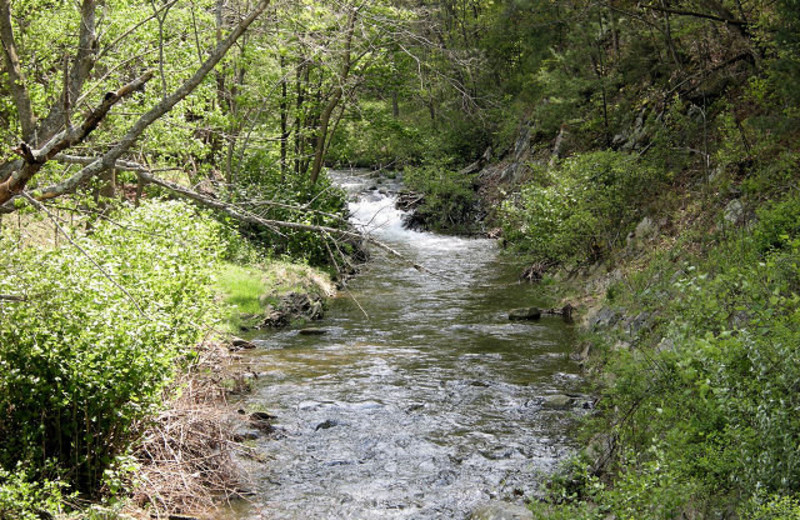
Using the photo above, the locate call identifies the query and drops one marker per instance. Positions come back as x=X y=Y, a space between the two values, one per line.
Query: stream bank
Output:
x=416 y=397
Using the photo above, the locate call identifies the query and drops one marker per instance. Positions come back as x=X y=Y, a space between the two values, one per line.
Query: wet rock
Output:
x=312 y=332
x=557 y=402
x=293 y=306
x=501 y=511
x=261 y=421
x=326 y=424
x=262 y=416
x=244 y=433
x=241 y=344
x=534 y=273
x=525 y=314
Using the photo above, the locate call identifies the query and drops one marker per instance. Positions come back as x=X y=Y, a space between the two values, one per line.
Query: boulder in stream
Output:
x=501 y=511
x=558 y=402
x=525 y=314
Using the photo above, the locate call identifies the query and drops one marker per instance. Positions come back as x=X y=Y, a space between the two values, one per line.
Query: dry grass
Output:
x=187 y=452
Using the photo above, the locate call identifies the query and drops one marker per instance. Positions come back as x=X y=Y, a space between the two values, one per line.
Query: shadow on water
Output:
x=427 y=407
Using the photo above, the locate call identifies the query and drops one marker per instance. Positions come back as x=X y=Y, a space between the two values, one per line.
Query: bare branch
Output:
x=33 y=160
x=16 y=80
x=83 y=65
x=107 y=161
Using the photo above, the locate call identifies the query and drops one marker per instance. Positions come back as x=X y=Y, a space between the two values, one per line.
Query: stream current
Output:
x=425 y=407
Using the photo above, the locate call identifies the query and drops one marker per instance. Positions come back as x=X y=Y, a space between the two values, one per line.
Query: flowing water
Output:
x=426 y=406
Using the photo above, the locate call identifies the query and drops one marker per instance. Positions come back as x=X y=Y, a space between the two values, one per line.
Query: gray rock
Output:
x=326 y=424
x=557 y=402
x=734 y=212
x=637 y=323
x=501 y=511
x=605 y=317
x=601 y=451
x=645 y=229
x=525 y=313
x=665 y=345
x=246 y=434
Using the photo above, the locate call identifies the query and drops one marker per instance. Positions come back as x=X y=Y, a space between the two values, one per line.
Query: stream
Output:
x=426 y=403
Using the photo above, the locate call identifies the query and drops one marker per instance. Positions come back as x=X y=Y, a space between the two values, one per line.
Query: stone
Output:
x=645 y=229
x=311 y=331
x=665 y=345
x=240 y=344
x=262 y=416
x=326 y=424
x=245 y=434
x=601 y=451
x=525 y=313
x=605 y=317
x=501 y=511
x=639 y=322
x=734 y=212
x=557 y=402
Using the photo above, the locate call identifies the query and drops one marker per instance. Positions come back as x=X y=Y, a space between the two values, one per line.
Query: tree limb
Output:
x=33 y=160
x=742 y=27
x=108 y=160
x=16 y=80
x=82 y=66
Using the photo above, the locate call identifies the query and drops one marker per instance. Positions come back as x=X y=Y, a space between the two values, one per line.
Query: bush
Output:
x=82 y=360
x=581 y=209
x=449 y=203
x=708 y=419
x=22 y=499
x=264 y=191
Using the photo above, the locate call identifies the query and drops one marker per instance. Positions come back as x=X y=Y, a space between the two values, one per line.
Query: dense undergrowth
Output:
x=94 y=332
x=106 y=323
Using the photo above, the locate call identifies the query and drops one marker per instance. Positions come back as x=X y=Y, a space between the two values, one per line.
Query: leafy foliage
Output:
x=449 y=200
x=91 y=359
x=581 y=209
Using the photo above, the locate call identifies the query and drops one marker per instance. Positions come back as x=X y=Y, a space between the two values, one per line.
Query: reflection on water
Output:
x=427 y=407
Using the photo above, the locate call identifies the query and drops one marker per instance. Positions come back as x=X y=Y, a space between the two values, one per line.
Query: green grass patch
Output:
x=241 y=288
x=248 y=290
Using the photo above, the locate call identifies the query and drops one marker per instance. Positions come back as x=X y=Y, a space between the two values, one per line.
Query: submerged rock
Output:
x=501 y=511
x=327 y=424
x=525 y=313
x=312 y=332
x=558 y=402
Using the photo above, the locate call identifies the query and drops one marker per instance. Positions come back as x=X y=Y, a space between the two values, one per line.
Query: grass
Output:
x=247 y=290
x=241 y=288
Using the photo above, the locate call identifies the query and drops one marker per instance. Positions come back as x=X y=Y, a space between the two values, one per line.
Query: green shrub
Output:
x=450 y=203
x=710 y=421
x=264 y=191
x=23 y=499
x=580 y=209
x=81 y=360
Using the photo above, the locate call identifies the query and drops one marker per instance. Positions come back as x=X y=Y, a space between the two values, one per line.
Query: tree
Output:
x=42 y=141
